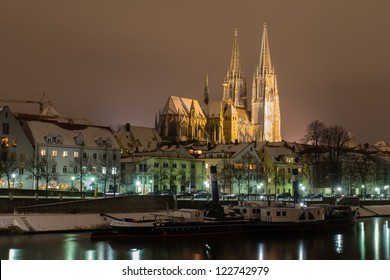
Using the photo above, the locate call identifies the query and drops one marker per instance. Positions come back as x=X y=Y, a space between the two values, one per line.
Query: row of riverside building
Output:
x=240 y=134
x=48 y=151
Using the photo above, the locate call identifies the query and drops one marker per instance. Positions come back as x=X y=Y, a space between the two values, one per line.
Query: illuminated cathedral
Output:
x=238 y=116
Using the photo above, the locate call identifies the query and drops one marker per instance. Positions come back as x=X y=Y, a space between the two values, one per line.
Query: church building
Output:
x=238 y=116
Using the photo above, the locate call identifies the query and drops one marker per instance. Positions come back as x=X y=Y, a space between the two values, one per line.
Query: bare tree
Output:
x=35 y=167
x=334 y=140
x=364 y=160
x=8 y=165
x=49 y=170
x=80 y=165
x=313 y=137
x=225 y=174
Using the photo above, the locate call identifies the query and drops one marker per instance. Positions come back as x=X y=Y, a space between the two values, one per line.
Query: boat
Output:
x=182 y=222
x=255 y=217
x=280 y=216
x=340 y=215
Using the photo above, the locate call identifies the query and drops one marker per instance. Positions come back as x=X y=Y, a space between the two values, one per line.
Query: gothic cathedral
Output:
x=238 y=117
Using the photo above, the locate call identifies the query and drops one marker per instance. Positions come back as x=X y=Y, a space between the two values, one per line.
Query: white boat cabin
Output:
x=187 y=215
x=279 y=213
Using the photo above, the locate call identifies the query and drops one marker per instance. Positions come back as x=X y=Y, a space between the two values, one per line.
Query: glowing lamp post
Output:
x=138 y=184
x=259 y=187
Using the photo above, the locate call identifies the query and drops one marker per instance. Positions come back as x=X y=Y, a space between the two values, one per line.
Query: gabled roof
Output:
x=137 y=138
x=90 y=134
x=180 y=105
x=232 y=150
x=278 y=153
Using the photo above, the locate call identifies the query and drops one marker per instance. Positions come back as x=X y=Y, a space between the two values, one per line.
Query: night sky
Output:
x=116 y=62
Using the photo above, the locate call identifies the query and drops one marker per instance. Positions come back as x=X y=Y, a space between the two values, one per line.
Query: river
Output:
x=369 y=239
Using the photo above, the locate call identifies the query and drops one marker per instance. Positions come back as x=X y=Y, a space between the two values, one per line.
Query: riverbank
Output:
x=40 y=223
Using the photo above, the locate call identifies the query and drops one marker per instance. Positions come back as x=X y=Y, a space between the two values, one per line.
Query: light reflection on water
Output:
x=369 y=239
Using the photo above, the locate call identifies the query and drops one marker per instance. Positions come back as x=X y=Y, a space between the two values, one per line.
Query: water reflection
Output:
x=369 y=239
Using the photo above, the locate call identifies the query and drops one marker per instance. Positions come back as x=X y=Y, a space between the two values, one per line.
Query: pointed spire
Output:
x=265 y=55
x=235 y=60
x=206 y=89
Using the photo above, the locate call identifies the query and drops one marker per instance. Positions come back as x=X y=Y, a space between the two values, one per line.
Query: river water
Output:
x=369 y=239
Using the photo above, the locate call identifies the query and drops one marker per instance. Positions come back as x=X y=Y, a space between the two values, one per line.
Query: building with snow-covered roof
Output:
x=237 y=166
x=48 y=151
x=80 y=156
x=182 y=119
x=281 y=166
x=15 y=149
x=169 y=169
x=136 y=139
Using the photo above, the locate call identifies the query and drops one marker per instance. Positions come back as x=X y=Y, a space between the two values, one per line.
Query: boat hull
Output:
x=184 y=229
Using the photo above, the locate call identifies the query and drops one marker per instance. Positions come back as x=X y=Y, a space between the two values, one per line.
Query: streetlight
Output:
x=72 y=178
x=138 y=184
x=303 y=188
x=151 y=185
x=13 y=179
x=207 y=185
x=259 y=187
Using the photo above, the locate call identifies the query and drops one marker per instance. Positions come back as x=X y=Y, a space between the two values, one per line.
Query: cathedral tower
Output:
x=235 y=91
x=265 y=110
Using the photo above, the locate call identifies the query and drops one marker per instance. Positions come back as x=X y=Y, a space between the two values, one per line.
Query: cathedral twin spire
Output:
x=262 y=106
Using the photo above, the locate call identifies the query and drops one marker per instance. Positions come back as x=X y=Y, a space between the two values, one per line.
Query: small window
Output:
x=278 y=213
x=65 y=169
x=75 y=154
x=59 y=139
x=183 y=166
x=268 y=213
x=54 y=153
x=43 y=153
x=156 y=164
x=108 y=143
x=5 y=128
x=49 y=139
x=174 y=165
x=65 y=154
x=14 y=143
x=165 y=165
x=284 y=213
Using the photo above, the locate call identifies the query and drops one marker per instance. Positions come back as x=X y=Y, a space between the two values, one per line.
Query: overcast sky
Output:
x=116 y=62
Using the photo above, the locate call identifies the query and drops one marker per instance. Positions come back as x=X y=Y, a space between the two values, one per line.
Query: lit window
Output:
x=53 y=153
x=43 y=153
x=75 y=154
x=4 y=142
x=65 y=154
x=104 y=170
x=113 y=171
x=13 y=143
